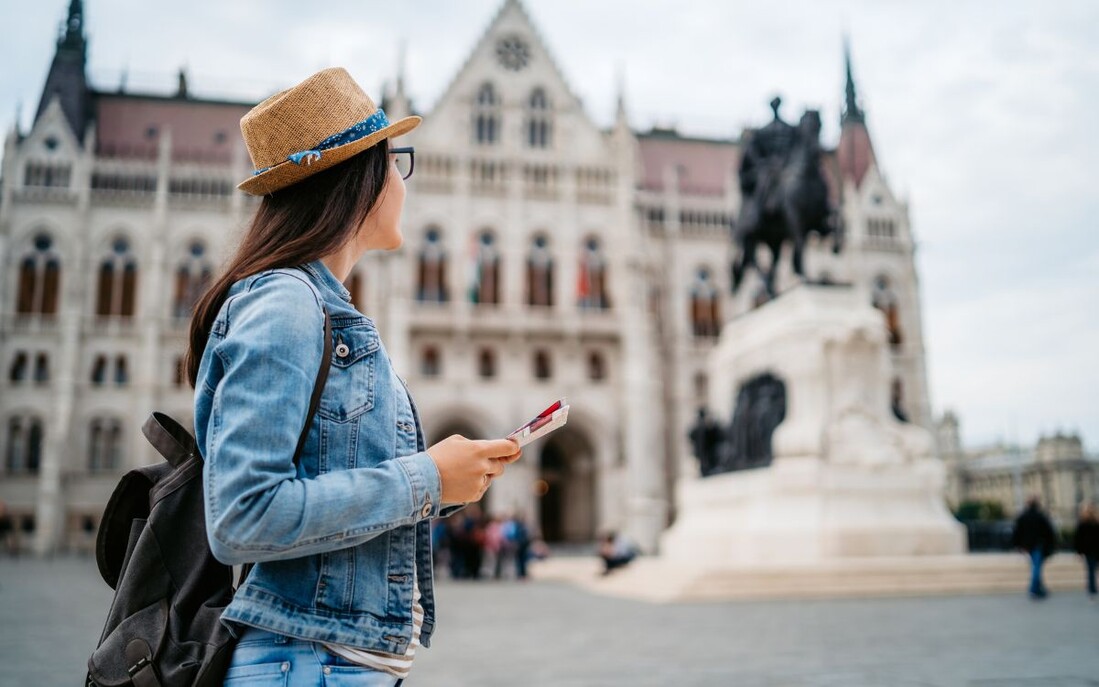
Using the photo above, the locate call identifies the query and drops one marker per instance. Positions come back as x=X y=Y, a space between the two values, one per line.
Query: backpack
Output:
x=164 y=626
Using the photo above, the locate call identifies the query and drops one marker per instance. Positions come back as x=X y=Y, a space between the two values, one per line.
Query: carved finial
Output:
x=181 y=92
x=776 y=103
x=620 y=116
x=402 y=51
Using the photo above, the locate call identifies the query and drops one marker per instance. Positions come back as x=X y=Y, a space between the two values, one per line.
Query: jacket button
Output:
x=426 y=510
x=342 y=350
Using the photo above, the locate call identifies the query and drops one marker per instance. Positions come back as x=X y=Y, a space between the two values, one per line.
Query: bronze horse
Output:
x=784 y=196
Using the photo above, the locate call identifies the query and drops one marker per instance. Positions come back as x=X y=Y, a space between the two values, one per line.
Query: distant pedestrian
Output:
x=8 y=537
x=493 y=547
x=1086 y=543
x=518 y=537
x=1034 y=534
x=616 y=551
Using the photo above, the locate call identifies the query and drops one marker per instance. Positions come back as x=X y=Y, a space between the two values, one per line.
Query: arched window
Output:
x=543 y=369
x=486 y=363
x=591 y=289
x=121 y=371
x=705 y=320
x=193 y=277
x=23 y=454
x=597 y=368
x=105 y=445
x=431 y=276
x=539 y=124
x=18 y=371
x=39 y=278
x=540 y=273
x=884 y=298
x=485 y=286
x=117 y=281
x=486 y=116
x=430 y=365
x=41 y=368
x=99 y=370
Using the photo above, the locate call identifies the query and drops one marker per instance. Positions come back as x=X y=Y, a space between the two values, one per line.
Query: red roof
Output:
x=705 y=163
x=202 y=130
x=855 y=153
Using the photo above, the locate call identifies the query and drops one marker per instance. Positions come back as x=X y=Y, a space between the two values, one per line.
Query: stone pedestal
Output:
x=848 y=480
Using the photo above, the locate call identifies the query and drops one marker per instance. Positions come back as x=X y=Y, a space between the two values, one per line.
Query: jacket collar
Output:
x=325 y=279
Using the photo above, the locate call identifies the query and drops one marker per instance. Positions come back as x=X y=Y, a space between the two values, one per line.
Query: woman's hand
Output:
x=468 y=466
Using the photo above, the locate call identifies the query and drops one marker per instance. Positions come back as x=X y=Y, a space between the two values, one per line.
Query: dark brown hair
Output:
x=292 y=226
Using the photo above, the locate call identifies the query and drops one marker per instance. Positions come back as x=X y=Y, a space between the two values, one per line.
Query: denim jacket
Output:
x=338 y=539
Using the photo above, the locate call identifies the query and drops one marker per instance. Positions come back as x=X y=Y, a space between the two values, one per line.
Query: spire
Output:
x=395 y=101
x=67 y=79
x=401 y=51
x=851 y=111
x=621 y=119
x=855 y=152
x=72 y=37
x=181 y=88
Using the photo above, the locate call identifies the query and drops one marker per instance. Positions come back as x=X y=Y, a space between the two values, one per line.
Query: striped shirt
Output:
x=395 y=664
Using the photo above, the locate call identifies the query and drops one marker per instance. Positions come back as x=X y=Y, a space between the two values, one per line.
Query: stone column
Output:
x=50 y=508
x=646 y=501
x=153 y=308
x=513 y=240
x=59 y=429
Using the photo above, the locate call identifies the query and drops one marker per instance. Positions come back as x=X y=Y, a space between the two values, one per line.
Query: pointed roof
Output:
x=851 y=110
x=855 y=152
x=511 y=18
x=621 y=116
x=67 y=77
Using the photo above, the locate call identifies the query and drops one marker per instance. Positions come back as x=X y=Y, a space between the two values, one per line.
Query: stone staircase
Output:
x=651 y=579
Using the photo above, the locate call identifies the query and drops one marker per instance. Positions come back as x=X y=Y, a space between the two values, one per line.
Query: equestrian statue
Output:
x=784 y=196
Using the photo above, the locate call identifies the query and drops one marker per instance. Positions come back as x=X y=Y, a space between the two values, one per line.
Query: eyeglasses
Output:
x=405 y=160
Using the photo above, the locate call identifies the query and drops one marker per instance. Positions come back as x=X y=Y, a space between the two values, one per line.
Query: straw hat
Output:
x=308 y=128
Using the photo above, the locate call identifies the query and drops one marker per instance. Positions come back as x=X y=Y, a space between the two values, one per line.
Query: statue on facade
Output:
x=760 y=408
x=746 y=442
x=706 y=437
x=784 y=195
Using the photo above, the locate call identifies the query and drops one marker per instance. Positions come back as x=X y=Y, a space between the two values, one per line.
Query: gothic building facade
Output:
x=544 y=256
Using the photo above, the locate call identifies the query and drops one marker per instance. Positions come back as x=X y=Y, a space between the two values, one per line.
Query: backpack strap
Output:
x=169 y=438
x=318 y=387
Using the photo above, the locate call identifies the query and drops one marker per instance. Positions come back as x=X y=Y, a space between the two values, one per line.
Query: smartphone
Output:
x=542 y=424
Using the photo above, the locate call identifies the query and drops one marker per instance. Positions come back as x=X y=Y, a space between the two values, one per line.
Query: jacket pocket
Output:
x=349 y=390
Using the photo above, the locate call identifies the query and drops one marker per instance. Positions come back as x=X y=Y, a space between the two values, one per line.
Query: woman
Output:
x=341 y=590
x=1086 y=543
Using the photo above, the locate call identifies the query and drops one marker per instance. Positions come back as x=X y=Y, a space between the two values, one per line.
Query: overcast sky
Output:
x=982 y=115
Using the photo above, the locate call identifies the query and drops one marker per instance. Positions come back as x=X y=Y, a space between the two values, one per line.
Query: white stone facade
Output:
x=543 y=168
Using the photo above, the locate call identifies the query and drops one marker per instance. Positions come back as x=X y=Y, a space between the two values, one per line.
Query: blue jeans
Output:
x=1037 y=558
x=1090 y=562
x=269 y=659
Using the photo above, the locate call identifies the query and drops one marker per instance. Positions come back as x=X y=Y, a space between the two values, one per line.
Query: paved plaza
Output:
x=544 y=633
